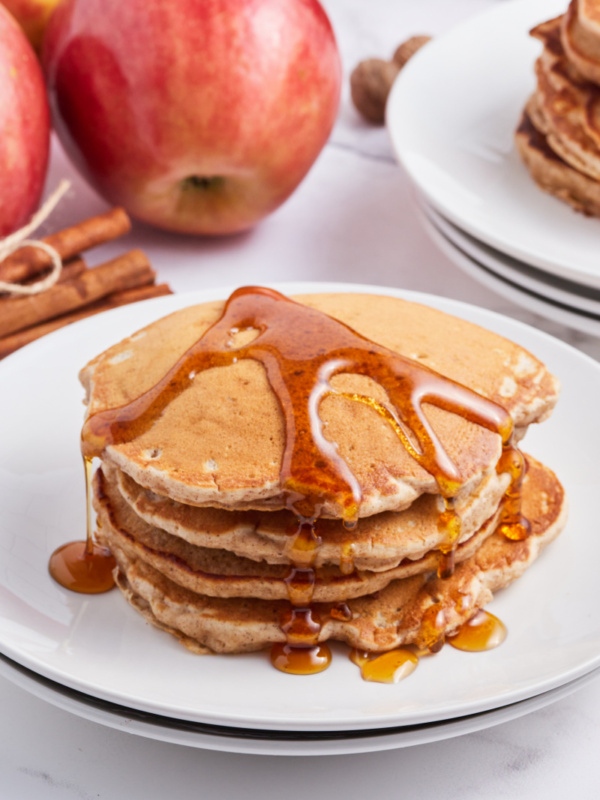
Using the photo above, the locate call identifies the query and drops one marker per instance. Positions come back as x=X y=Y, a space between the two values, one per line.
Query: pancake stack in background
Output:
x=196 y=514
x=559 y=134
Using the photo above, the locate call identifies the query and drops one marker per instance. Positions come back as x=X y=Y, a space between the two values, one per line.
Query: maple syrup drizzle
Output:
x=84 y=566
x=347 y=558
x=305 y=544
x=449 y=524
x=513 y=525
x=300 y=586
x=431 y=633
x=359 y=657
x=446 y=564
x=301 y=654
x=390 y=667
x=482 y=632
x=341 y=611
x=301 y=350
x=74 y=567
x=301 y=626
x=300 y=660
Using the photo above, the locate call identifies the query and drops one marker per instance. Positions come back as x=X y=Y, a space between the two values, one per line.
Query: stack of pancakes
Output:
x=559 y=134
x=194 y=511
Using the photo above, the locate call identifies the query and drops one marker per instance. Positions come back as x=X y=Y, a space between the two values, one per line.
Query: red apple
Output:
x=199 y=116
x=32 y=16
x=24 y=127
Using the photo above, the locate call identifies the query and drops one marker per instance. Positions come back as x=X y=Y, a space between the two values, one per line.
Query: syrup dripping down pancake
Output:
x=221 y=442
x=380 y=542
x=220 y=573
x=400 y=614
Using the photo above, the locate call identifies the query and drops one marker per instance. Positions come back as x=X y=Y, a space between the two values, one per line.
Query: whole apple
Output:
x=32 y=16
x=199 y=116
x=24 y=127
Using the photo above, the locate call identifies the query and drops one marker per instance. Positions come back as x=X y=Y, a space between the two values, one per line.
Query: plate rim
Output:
x=90 y=708
x=529 y=299
x=493 y=260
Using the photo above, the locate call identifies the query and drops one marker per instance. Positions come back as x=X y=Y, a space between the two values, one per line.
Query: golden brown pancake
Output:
x=220 y=573
x=420 y=609
x=380 y=542
x=554 y=175
x=220 y=443
x=580 y=37
x=567 y=106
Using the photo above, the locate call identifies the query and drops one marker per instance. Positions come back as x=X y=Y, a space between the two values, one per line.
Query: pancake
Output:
x=220 y=573
x=221 y=442
x=589 y=16
x=418 y=610
x=567 y=106
x=380 y=542
x=552 y=174
x=580 y=37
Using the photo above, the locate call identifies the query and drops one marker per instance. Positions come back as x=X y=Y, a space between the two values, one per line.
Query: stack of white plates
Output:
x=97 y=658
x=272 y=742
x=452 y=115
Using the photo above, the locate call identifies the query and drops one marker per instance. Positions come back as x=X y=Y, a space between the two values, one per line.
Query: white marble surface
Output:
x=353 y=219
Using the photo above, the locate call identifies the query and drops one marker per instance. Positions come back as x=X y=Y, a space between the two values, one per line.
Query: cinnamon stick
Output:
x=128 y=271
x=8 y=344
x=69 y=242
x=71 y=270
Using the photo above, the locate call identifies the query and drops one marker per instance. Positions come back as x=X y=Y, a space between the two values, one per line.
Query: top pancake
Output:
x=220 y=443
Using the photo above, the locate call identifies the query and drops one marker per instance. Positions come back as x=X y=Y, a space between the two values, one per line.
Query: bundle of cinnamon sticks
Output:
x=80 y=291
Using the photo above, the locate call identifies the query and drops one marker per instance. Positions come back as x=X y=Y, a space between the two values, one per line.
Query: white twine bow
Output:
x=19 y=239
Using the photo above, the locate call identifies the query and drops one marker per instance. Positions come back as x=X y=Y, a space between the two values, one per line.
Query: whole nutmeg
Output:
x=408 y=48
x=370 y=84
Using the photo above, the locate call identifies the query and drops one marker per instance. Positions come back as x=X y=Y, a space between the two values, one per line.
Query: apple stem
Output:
x=203 y=182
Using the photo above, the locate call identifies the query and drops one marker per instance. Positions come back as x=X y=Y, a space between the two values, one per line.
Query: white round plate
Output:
x=100 y=646
x=527 y=298
x=278 y=743
x=558 y=290
x=452 y=114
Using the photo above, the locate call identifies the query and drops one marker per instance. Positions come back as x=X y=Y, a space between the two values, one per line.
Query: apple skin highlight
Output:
x=200 y=116
x=24 y=127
